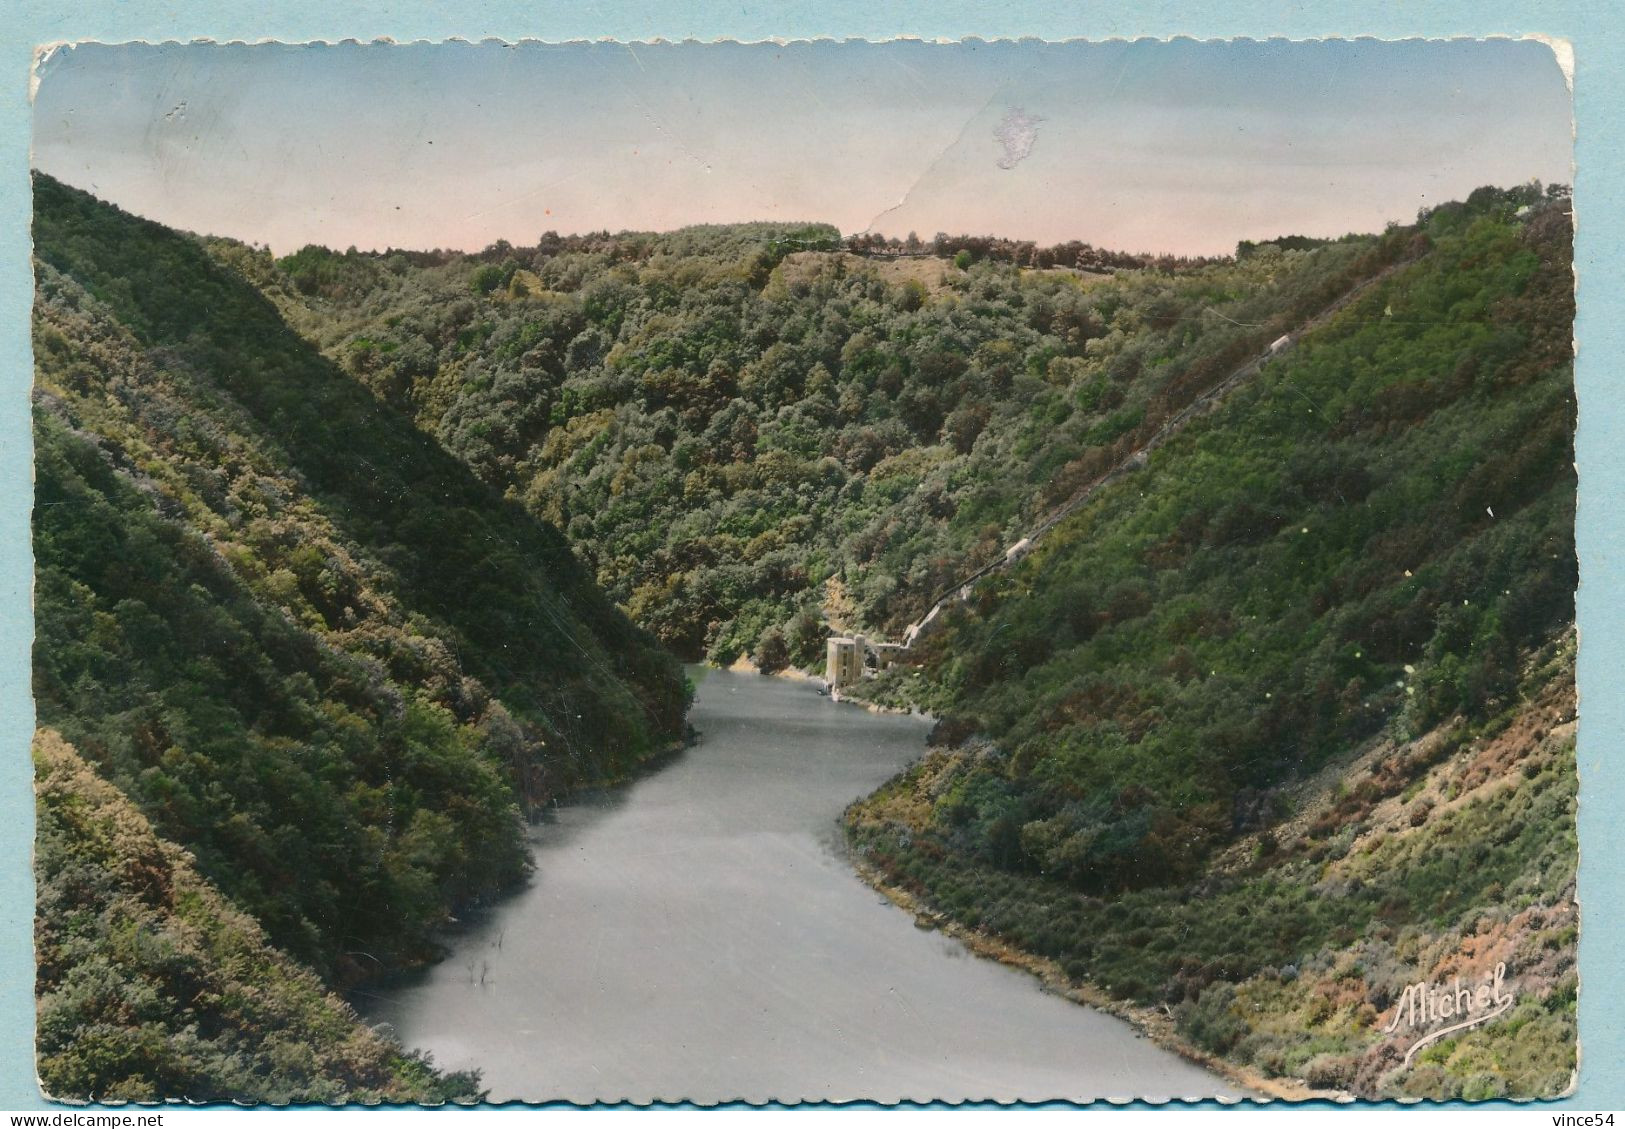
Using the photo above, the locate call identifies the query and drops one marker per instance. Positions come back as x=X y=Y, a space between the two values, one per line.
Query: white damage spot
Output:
x=1016 y=132
x=1563 y=52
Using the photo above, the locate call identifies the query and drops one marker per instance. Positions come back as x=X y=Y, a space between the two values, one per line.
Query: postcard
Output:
x=805 y=571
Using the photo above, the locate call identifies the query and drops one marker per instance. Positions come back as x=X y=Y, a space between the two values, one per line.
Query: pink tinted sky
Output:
x=1183 y=147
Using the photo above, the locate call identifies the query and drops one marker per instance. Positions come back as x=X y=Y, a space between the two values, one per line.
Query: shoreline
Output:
x=1146 y=1021
x=1149 y=1022
x=743 y=665
x=461 y=916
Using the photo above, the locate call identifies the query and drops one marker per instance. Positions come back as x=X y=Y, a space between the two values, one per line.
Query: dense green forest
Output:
x=340 y=557
x=1413 y=861
x=1378 y=526
x=745 y=431
x=1368 y=544
x=307 y=644
x=755 y=434
x=152 y=985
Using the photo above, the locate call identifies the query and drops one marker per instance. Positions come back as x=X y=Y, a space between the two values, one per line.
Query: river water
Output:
x=698 y=934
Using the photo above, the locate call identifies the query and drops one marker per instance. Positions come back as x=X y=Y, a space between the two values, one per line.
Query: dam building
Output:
x=849 y=659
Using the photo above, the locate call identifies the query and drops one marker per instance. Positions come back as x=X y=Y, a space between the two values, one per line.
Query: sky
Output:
x=1182 y=147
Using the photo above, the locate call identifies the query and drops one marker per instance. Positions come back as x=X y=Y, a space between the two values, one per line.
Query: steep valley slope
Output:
x=1359 y=569
x=743 y=437
x=340 y=557
x=754 y=438
x=308 y=646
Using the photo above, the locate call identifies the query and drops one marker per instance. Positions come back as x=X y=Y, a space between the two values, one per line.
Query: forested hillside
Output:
x=1276 y=719
x=753 y=437
x=307 y=644
x=1366 y=550
x=745 y=431
x=153 y=986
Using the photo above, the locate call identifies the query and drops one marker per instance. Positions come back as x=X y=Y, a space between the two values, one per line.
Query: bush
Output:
x=772 y=653
x=1212 y=1022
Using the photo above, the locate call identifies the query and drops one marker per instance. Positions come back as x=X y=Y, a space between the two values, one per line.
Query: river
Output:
x=698 y=934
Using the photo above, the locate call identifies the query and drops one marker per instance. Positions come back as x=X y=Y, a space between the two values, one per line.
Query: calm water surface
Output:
x=698 y=935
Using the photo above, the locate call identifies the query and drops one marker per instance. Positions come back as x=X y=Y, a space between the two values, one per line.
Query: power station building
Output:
x=846 y=660
x=842 y=666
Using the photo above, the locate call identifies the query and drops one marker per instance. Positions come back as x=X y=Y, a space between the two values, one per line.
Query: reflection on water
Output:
x=698 y=935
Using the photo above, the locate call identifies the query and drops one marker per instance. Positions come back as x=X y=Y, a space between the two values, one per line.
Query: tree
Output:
x=772 y=653
x=806 y=638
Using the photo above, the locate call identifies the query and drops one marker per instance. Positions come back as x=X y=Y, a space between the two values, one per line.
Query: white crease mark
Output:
x=522 y=197
x=649 y=114
x=935 y=161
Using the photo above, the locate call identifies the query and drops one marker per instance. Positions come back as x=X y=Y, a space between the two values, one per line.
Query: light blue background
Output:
x=1596 y=29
